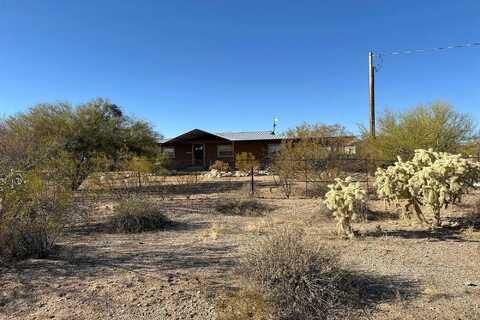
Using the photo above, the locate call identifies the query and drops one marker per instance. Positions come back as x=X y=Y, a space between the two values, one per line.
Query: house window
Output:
x=273 y=148
x=169 y=152
x=225 y=151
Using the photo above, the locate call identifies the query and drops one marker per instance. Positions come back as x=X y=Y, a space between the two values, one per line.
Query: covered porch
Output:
x=198 y=149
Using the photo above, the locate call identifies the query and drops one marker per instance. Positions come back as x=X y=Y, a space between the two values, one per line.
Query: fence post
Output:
x=252 y=187
x=306 y=178
x=139 y=175
x=366 y=175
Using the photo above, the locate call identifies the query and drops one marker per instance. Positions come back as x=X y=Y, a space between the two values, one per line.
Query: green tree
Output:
x=92 y=136
x=436 y=125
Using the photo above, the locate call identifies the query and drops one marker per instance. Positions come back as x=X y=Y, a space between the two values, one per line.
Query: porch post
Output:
x=193 y=156
x=233 y=155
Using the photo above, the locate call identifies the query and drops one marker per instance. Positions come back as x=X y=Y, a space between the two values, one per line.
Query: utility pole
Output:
x=371 y=87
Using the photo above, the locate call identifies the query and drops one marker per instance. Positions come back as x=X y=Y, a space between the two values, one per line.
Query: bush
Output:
x=240 y=207
x=436 y=125
x=245 y=161
x=134 y=215
x=300 y=279
x=31 y=214
x=220 y=166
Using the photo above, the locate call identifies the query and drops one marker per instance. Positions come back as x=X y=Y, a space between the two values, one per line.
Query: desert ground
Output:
x=405 y=270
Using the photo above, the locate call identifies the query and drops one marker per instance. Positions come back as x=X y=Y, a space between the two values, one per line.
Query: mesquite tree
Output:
x=344 y=199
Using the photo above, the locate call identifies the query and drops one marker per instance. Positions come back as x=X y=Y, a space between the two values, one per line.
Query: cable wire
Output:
x=457 y=46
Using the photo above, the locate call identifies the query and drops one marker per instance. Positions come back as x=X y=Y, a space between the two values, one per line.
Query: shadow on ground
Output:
x=34 y=279
x=200 y=187
x=380 y=215
x=104 y=227
x=446 y=233
x=375 y=289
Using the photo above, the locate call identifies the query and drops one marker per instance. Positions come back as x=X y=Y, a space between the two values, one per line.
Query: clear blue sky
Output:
x=235 y=65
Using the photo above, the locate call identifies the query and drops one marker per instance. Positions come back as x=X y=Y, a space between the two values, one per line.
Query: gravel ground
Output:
x=408 y=271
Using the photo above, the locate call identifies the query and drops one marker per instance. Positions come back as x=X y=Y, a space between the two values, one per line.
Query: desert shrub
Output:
x=299 y=279
x=240 y=206
x=188 y=183
x=317 y=189
x=345 y=200
x=134 y=215
x=436 y=125
x=32 y=207
x=142 y=166
x=220 y=166
x=310 y=157
x=245 y=161
x=245 y=304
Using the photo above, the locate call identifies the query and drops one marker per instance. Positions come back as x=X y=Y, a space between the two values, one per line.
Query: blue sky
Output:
x=235 y=65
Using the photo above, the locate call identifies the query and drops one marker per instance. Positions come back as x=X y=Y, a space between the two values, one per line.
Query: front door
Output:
x=198 y=154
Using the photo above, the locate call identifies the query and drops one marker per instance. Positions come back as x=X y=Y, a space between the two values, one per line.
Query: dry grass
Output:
x=218 y=230
x=184 y=267
x=245 y=304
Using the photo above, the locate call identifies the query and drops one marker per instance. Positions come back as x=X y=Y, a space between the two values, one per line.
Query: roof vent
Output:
x=274 y=125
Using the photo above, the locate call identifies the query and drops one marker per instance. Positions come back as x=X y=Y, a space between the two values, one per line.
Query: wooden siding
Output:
x=183 y=151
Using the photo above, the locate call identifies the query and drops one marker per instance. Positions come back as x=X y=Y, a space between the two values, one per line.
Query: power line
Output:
x=380 y=55
x=457 y=46
x=375 y=66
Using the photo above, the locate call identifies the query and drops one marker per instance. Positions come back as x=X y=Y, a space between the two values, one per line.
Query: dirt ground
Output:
x=407 y=270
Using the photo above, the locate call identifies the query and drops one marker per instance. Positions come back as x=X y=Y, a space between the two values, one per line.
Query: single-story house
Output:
x=199 y=148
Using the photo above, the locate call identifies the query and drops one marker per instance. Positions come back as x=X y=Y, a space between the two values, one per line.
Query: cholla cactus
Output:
x=444 y=181
x=392 y=184
x=434 y=179
x=11 y=181
x=343 y=199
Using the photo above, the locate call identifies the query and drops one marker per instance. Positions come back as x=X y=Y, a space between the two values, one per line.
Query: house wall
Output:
x=183 y=152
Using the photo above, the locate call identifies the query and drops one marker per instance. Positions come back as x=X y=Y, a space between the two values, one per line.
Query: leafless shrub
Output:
x=187 y=183
x=321 y=179
x=300 y=279
x=134 y=215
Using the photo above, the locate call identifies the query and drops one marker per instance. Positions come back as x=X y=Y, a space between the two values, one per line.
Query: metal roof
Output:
x=232 y=136
x=249 y=135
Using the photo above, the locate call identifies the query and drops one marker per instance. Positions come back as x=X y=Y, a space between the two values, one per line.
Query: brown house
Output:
x=199 y=148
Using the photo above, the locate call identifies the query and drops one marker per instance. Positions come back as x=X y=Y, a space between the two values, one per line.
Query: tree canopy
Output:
x=80 y=139
x=436 y=125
